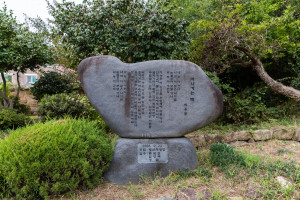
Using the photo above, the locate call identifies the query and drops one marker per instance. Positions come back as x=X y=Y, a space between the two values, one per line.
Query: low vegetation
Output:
x=53 y=158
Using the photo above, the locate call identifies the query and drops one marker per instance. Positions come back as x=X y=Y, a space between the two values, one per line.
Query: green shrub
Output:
x=51 y=83
x=54 y=158
x=59 y=105
x=21 y=108
x=11 y=119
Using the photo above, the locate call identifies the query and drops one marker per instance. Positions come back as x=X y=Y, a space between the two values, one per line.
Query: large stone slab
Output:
x=134 y=158
x=163 y=98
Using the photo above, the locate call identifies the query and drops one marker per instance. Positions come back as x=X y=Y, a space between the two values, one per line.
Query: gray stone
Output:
x=297 y=135
x=153 y=99
x=262 y=135
x=134 y=158
x=254 y=192
x=282 y=134
x=238 y=136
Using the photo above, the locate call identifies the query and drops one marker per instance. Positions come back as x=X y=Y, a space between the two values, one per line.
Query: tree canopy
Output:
x=130 y=30
x=20 y=49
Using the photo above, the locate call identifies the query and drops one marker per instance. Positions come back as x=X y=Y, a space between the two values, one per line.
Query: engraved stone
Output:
x=153 y=99
x=128 y=165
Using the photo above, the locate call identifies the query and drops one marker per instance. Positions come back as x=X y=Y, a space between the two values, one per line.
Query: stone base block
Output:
x=134 y=158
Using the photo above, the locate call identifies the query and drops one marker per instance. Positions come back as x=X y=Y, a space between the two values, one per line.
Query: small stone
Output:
x=283 y=182
x=238 y=136
x=213 y=138
x=204 y=194
x=238 y=143
x=262 y=135
x=297 y=135
x=134 y=158
x=167 y=198
x=153 y=99
x=186 y=194
x=253 y=192
x=282 y=134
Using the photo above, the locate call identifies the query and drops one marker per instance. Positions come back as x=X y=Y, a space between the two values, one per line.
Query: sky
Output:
x=31 y=8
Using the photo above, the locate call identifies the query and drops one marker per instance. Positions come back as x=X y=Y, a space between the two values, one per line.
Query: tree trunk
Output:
x=274 y=85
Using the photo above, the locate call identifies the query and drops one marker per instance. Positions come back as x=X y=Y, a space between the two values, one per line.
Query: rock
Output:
x=197 y=140
x=283 y=182
x=167 y=198
x=238 y=136
x=146 y=157
x=153 y=99
x=251 y=140
x=186 y=194
x=262 y=135
x=297 y=135
x=282 y=134
x=213 y=138
x=253 y=192
x=191 y=194
x=238 y=143
x=205 y=195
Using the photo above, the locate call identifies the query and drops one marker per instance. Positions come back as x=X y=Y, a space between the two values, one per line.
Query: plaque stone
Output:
x=154 y=99
x=129 y=165
x=151 y=105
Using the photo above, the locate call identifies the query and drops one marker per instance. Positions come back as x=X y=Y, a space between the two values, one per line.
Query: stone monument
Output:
x=151 y=106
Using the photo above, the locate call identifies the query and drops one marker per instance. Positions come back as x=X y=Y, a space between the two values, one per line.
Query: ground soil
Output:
x=218 y=185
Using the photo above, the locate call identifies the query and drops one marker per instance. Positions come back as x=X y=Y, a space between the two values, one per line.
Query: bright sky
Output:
x=31 y=8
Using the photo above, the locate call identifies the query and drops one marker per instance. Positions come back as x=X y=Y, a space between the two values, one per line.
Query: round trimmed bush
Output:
x=51 y=83
x=60 y=105
x=10 y=118
x=53 y=158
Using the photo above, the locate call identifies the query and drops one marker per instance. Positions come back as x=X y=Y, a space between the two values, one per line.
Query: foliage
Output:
x=269 y=29
x=21 y=108
x=20 y=49
x=58 y=105
x=54 y=158
x=51 y=83
x=11 y=119
x=223 y=155
x=133 y=31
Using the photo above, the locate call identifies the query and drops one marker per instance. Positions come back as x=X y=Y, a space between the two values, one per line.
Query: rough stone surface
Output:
x=253 y=192
x=187 y=194
x=153 y=99
x=282 y=134
x=213 y=138
x=197 y=140
x=262 y=135
x=284 y=182
x=297 y=135
x=130 y=162
x=238 y=143
x=238 y=136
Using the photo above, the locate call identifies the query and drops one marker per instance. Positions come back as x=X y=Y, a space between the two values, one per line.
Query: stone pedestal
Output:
x=134 y=158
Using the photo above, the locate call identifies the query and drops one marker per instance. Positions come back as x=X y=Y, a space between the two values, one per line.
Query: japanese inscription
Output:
x=152 y=153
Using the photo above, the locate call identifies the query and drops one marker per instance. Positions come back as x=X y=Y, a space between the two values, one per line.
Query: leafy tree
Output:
x=130 y=30
x=247 y=34
x=20 y=49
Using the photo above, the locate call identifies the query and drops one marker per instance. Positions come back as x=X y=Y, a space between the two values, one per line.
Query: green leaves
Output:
x=133 y=31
